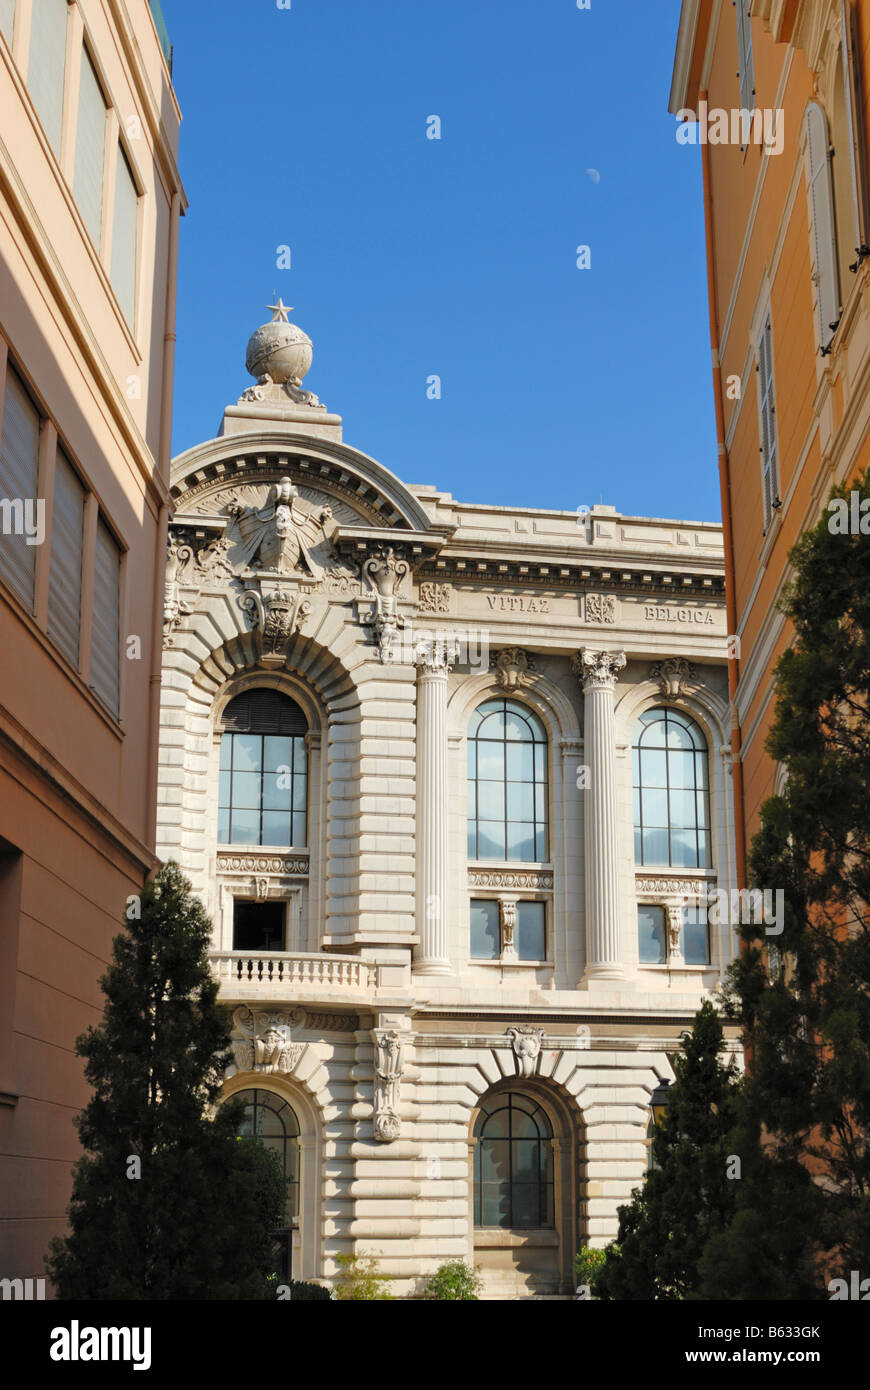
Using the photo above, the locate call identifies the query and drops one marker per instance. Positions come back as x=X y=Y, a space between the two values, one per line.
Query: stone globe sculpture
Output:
x=279 y=350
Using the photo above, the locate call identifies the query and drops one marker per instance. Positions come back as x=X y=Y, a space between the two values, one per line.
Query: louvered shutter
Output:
x=45 y=73
x=124 y=232
x=65 y=572
x=854 y=117
x=264 y=712
x=746 y=63
x=7 y=19
x=822 y=217
x=90 y=145
x=19 y=475
x=767 y=410
x=105 y=634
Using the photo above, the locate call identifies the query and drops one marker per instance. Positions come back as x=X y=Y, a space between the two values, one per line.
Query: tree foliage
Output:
x=167 y=1202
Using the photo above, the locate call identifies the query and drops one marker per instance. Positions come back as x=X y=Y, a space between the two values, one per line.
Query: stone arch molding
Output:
x=537 y=691
x=369 y=493
x=694 y=698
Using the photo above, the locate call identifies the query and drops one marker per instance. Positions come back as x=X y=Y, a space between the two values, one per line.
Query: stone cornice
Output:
x=556 y=574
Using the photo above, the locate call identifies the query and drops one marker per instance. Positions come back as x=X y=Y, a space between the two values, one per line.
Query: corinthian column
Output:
x=434 y=658
x=597 y=671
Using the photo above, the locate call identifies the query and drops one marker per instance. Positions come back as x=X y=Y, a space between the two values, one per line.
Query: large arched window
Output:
x=513 y=1163
x=507 y=783
x=273 y=1122
x=263 y=771
x=671 y=791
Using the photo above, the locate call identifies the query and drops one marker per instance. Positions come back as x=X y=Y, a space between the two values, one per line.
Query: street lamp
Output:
x=658 y=1104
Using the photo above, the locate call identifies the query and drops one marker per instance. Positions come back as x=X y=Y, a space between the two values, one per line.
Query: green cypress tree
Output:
x=688 y=1195
x=167 y=1202
x=808 y=1018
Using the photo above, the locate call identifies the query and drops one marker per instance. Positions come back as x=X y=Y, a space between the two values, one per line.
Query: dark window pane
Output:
x=485 y=933
x=531 y=937
x=258 y=926
x=695 y=937
x=651 y=935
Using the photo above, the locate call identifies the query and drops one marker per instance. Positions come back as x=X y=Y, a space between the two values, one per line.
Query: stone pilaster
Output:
x=434 y=658
x=597 y=671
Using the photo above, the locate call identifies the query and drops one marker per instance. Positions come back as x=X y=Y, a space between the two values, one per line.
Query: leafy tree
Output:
x=167 y=1202
x=808 y=1018
x=688 y=1195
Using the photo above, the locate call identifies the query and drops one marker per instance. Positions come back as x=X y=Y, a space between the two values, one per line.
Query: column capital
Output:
x=597 y=670
x=435 y=654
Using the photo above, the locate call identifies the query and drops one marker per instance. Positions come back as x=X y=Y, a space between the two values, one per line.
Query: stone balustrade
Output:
x=265 y=975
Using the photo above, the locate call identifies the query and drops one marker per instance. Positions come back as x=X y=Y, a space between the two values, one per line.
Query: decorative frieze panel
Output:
x=673 y=887
x=601 y=608
x=433 y=598
x=531 y=881
x=294 y=867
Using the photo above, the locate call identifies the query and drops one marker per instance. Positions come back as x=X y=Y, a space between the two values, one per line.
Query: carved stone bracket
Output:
x=277 y=615
x=526 y=1043
x=512 y=666
x=672 y=675
x=389 y=1065
x=384 y=573
x=265 y=1044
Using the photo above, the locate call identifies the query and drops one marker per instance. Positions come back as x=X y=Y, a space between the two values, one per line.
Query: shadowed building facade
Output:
x=90 y=199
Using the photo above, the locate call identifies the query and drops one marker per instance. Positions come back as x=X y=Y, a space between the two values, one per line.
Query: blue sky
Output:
x=456 y=257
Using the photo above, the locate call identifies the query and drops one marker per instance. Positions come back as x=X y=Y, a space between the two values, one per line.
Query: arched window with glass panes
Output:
x=272 y=1121
x=671 y=824
x=263 y=795
x=507 y=784
x=513 y=1164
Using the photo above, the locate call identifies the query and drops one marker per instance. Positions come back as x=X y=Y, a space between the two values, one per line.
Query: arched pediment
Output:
x=240 y=469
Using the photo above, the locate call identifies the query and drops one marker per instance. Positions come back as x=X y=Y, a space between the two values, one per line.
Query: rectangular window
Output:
x=651 y=935
x=65 y=574
x=124 y=235
x=7 y=19
x=767 y=409
x=45 y=74
x=695 y=937
x=531 y=931
x=106 y=634
x=485 y=930
x=90 y=145
x=19 y=474
x=745 y=64
x=258 y=926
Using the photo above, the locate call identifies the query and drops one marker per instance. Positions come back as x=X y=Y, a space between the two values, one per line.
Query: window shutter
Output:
x=854 y=116
x=746 y=63
x=19 y=480
x=65 y=574
x=90 y=144
x=264 y=712
x=7 y=18
x=105 y=637
x=822 y=217
x=767 y=427
x=45 y=74
x=124 y=239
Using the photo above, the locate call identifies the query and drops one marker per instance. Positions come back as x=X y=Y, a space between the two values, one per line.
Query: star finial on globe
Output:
x=279 y=311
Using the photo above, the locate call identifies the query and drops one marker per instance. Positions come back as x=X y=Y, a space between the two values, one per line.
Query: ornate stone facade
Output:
x=367 y=999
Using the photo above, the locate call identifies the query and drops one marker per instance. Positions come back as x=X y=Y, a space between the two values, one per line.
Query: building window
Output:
x=485 y=930
x=513 y=1164
x=65 y=574
x=124 y=238
x=507 y=783
x=263 y=797
x=47 y=64
x=273 y=1122
x=767 y=425
x=695 y=936
x=106 y=631
x=652 y=935
x=822 y=230
x=671 y=794
x=19 y=473
x=745 y=62
x=90 y=149
x=7 y=19
x=258 y=926
x=531 y=930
